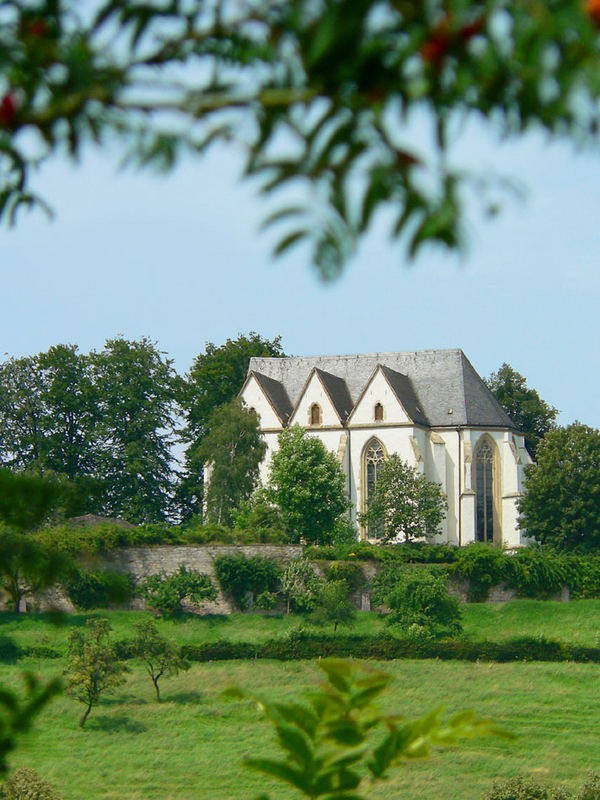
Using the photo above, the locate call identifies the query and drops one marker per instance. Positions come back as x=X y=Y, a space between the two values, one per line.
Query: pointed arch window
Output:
x=378 y=412
x=315 y=416
x=485 y=475
x=374 y=459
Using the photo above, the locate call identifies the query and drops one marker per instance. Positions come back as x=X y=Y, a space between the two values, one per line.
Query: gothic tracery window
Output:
x=484 y=487
x=315 y=414
x=374 y=459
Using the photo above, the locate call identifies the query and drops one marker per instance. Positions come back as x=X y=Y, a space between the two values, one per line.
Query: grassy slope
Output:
x=190 y=747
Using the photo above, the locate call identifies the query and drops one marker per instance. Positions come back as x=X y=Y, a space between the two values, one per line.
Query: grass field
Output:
x=192 y=745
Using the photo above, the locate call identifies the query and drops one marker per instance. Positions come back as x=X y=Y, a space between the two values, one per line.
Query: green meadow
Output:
x=193 y=744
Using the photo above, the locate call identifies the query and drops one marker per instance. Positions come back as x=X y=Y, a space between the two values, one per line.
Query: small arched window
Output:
x=315 y=414
x=252 y=411
x=378 y=412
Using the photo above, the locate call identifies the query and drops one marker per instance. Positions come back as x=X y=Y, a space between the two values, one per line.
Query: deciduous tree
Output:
x=404 y=503
x=307 y=484
x=136 y=388
x=92 y=667
x=532 y=415
x=159 y=656
x=333 y=605
x=215 y=378
x=234 y=449
x=561 y=501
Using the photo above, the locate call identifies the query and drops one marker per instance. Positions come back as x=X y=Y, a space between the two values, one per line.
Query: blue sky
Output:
x=180 y=259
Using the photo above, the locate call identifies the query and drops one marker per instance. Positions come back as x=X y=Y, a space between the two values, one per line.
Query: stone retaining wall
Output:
x=141 y=562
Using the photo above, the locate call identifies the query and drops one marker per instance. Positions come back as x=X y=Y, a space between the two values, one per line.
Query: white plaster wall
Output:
x=254 y=397
x=378 y=391
x=315 y=393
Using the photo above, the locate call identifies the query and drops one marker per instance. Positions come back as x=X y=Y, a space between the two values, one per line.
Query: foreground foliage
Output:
x=341 y=81
x=329 y=741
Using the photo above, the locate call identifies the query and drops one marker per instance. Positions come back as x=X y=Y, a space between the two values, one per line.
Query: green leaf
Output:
x=289 y=241
x=282 y=771
x=296 y=743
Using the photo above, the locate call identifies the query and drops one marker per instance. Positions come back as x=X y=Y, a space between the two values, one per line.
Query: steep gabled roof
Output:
x=446 y=388
x=405 y=394
x=276 y=395
x=338 y=393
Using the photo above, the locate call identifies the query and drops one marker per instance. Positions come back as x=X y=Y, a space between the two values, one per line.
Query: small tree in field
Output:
x=307 y=484
x=333 y=605
x=159 y=656
x=93 y=667
x=404 y=503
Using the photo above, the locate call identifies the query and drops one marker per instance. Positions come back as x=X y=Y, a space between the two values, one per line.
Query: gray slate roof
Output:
x=428 y=383
x=338 y=392
x=276 y=393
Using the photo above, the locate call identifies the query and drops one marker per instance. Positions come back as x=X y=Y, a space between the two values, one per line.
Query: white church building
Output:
x=429 y=407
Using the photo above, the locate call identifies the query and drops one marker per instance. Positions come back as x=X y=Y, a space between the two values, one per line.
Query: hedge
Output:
x=385 y=647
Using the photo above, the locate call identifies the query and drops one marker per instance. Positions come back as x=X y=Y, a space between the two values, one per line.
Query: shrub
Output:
x=525 y=789
x=300 y=585
x=266 y=601
x=421 y=599
x=258 y=520
x=483 y=565
x=27 y=784
x=534 y=572
x=348 y=572
x=244 y=578
x=590 y=789
x=99 y=589
x=165 y=592
x=583 y=576
x=390 y=575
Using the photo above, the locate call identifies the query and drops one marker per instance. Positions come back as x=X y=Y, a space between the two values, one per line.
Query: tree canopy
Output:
x=561 y=501
x=100 y=424
x=215 y=378
x=532 y=415
x=307 y=484
x=340 y=81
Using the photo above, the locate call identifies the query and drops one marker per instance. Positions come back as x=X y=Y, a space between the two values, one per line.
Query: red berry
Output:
x=37 y=28
x=593 y=9
x=434 y=49
x=8 y=109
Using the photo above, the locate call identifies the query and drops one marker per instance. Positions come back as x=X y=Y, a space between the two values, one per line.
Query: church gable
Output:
x=315 y=407
x=257 y=398
x=379 y=403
